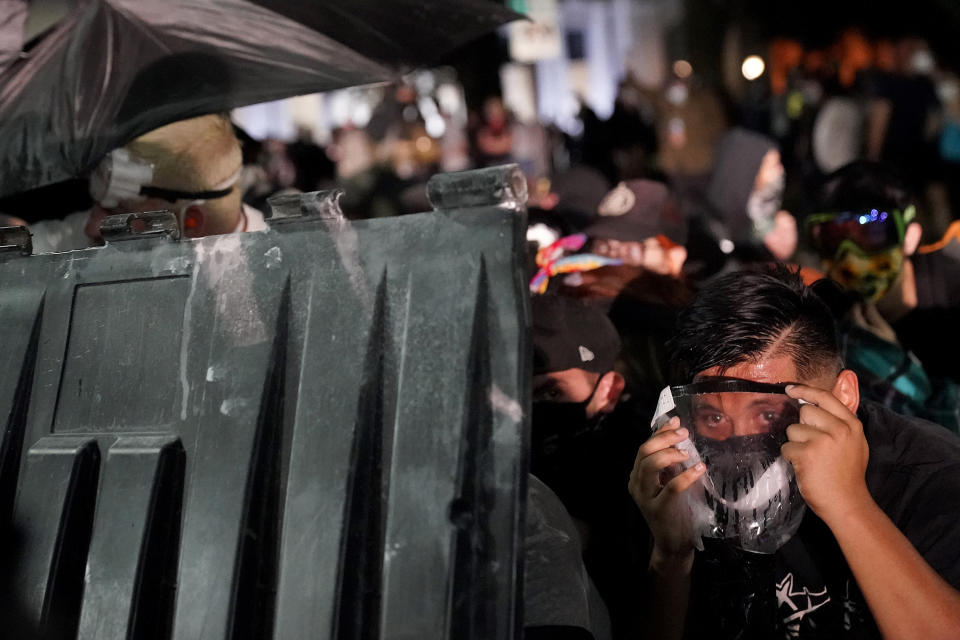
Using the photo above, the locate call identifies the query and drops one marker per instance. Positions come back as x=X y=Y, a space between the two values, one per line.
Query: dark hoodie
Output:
x=722 y=218
x=736 y=165
x=929 y=331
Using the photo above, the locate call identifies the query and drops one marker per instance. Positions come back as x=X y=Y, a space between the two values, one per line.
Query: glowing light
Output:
x=726 y=245
x=682 y=68
x=435 y=125
x=752 y=67
x=423 y=144
x=864 y=219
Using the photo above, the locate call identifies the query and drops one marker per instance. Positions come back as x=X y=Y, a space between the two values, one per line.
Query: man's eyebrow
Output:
x=705 y=404
x=767 y=401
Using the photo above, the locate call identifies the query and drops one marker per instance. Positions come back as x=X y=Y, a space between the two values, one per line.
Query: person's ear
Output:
x=847 y=390
x=676 y=256
x=911 y=238
x=609 y=388
x=193 y=221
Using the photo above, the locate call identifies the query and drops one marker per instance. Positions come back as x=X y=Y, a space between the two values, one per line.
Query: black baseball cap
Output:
x=571 y=334
x=639 y=209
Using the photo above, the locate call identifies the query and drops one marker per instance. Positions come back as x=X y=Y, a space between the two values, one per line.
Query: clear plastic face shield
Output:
x=748 y=495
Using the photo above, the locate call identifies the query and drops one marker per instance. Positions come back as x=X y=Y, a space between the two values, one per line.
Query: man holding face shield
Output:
x=780 y=505
x=749 y=493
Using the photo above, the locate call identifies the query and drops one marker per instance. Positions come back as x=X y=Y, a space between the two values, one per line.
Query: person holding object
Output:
x=190 y=167
x=875 y=553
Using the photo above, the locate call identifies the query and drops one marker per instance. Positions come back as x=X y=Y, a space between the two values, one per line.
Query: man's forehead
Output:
x=737 y=402
x=774 y=370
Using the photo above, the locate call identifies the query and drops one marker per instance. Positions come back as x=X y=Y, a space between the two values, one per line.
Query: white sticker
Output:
x=617 y=202
x=664 y=404
x=585 y=354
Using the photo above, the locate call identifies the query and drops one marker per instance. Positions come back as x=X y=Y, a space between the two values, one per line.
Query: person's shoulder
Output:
x=914 y=475
x=905 y=444
x=885 y=427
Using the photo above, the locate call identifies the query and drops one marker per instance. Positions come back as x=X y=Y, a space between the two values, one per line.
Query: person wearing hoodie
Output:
x=741 y=217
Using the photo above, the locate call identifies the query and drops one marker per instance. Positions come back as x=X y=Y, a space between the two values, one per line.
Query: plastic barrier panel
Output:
x=317 y=431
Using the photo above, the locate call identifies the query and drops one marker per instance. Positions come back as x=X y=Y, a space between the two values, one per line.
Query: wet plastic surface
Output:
x=112 y=70
x=314 y=431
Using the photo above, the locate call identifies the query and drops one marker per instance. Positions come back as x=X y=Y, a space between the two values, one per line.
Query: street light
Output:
x=752 y=67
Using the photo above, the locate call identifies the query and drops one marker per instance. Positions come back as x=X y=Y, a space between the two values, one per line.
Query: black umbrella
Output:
x=402 y=33
x=114 y=69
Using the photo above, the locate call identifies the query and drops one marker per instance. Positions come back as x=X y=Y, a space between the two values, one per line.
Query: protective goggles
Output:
x=866 y=232
x=748 y=495
x=120 y=177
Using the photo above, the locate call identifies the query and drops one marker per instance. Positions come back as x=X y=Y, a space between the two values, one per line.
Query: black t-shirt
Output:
x=806 y=590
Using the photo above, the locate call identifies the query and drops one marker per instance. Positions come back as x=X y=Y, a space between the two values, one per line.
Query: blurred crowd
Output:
x=844 y=167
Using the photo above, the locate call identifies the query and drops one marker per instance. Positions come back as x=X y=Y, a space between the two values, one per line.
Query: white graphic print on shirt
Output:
x=797 y=604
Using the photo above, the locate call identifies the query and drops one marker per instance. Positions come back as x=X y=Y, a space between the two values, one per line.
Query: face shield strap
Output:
x=120 y=176
x=667 y=403
x=172 y=195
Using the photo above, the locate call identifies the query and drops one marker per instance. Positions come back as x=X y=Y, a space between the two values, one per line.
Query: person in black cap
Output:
x=574 y=389
x=640 y=223
x=583 y=443
x=575 y=347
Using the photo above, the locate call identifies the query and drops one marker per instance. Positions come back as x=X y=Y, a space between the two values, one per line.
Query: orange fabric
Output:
x=952 y=233
x=810 y=275
x=666 y=242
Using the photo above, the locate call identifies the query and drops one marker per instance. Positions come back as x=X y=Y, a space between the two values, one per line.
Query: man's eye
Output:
x=550 y=395
x=711 y=419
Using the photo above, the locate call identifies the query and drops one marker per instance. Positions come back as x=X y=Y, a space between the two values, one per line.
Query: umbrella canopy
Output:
x=402 y=33
x=111 y=70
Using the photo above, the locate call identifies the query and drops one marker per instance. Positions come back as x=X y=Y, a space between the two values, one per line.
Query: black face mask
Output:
x=739 y=457
x=557 y=426
x=735 y=467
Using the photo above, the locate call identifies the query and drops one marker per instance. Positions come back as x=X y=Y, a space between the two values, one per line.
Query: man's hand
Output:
x=829 y=454
x=907 y=598
x=658 y=491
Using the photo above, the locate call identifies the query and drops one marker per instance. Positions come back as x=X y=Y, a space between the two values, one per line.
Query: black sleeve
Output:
x=933 y=523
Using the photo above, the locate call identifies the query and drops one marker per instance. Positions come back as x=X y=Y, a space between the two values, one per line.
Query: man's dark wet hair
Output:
x=863 y=184
x=746 y=315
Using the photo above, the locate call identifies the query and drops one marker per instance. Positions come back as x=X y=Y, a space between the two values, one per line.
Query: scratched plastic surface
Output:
x=305 y=432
